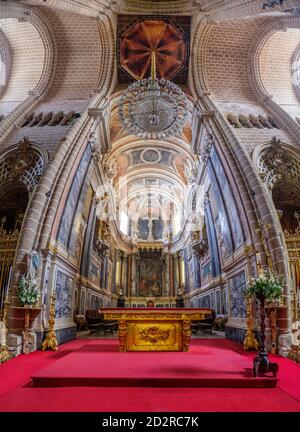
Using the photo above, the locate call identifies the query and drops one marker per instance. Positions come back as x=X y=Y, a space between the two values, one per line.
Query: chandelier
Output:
x=153 y=108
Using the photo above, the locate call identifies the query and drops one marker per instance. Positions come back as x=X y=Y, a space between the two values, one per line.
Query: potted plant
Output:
x=266 y=289
x=28 y=292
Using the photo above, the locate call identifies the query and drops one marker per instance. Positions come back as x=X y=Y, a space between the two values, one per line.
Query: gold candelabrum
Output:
x=4 y=353
x=250 y=342
x=294 y=306
x=51 y=341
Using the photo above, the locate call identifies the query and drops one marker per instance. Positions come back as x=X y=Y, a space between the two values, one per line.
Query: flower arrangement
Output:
x=28 y=292
x=268 y=287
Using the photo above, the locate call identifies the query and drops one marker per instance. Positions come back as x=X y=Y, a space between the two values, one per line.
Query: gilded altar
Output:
x=147 y=329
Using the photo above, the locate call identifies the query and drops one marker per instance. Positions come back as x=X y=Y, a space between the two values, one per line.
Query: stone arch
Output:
x=296 y=70
x=244 y=179
x=277 y=161
x=39 y=25
x=256 y=79
x=41 y=221
x=24 y=162
x=279 y=167
x=21 y=166
x=6 y=62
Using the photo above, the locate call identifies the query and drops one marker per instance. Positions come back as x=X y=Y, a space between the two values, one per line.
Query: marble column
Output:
x=124 y=273
x=176 y=272
x=181 y=271
x=171 y=275
x=167 y=291
x=129 y=271
x=133 y=276
x=118 y=271
x=137 y=275
x=106 y=264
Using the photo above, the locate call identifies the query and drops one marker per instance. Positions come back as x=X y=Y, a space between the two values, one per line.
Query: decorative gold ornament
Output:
x=250 y=342
x=148 y=330
x=294 y=353
x=154 y=334
x=4 y=353
x=273 y=319
x=51 y=341
x=22 y=159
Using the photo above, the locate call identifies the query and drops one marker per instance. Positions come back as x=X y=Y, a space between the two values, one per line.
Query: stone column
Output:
x=133 y=275
x=118 y=271
x=136 y=276
x=171 y=275
x=129 y=271
x=181 y=264
x=124 y=273
x=176 y=272
x=106 y=268
x=167 y=276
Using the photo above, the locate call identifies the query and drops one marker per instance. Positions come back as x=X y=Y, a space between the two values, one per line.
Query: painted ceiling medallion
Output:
x=151 y=156
x=144 y=38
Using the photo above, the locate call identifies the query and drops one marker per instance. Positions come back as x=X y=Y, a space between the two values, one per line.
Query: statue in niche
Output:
x=110 y=169
x=190 y=171
x=121 y=299
x=179 y=299
x=266 y=232
x=102 y=209
x=34 y=260
x=105 y=232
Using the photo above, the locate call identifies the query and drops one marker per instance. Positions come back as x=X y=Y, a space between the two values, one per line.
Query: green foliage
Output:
x=28 y=292
x=269 y=287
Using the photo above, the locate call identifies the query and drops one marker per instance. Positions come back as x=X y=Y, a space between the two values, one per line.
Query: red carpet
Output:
x=98 y=363
x=17 y=393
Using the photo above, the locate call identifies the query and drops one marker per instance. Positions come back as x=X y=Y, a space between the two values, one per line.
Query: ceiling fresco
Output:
x=168 y=38
x=150 y=175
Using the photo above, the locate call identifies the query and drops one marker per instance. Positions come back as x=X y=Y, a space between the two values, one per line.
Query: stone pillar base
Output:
x=15 y=343
x=284 y=343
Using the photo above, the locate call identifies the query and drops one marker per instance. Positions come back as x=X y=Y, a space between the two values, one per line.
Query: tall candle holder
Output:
x=51 y=341
x=250 y=341
x=4 y=352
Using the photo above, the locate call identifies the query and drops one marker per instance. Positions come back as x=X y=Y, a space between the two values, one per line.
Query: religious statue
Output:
x=102 y=209
x=33 y=263
x=264 y=231
x=190 y=171
x=110 y=169
x=121 y=299
x=179 y=299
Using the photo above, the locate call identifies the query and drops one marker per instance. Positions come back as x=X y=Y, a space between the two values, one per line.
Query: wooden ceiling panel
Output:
x=138 y=38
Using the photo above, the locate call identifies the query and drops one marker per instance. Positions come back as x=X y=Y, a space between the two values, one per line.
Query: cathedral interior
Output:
x=149 y=155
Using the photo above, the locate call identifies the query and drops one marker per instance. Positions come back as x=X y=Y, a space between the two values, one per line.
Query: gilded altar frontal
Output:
x=149 y=198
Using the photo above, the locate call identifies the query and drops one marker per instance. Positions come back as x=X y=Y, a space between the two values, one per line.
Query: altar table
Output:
x=154 y=329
